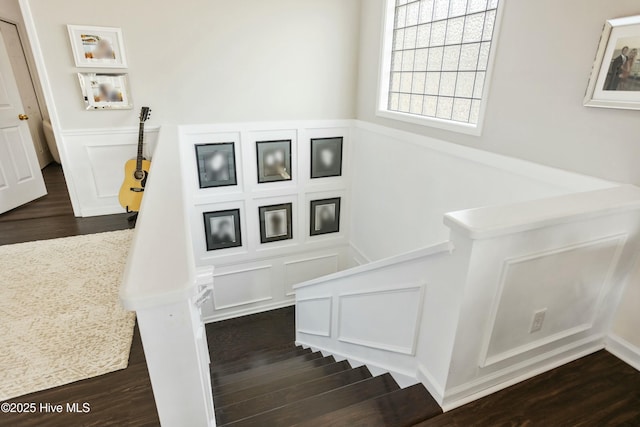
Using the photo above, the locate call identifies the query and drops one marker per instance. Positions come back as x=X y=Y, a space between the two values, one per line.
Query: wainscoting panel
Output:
x=382 y=318
x=566 y=283
x=242 y=287
x=98 y=157
x=301 y=270
x=313 y=316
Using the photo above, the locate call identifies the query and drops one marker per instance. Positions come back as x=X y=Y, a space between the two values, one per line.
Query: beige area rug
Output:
x=60 y=317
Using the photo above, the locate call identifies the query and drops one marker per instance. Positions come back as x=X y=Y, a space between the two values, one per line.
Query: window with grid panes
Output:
x=439 y=58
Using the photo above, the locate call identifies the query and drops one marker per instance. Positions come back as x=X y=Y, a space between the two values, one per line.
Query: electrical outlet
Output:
x=538 y=320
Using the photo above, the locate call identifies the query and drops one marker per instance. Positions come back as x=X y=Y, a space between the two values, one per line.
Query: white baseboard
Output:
x=404 y=379
x=248 y=311
x=623 y=350
x=496 y=381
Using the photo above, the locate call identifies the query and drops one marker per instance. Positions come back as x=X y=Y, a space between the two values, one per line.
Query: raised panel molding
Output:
x=313 y=316
x=301 y=270
x=571 y=296
x=242 y=287
x=97 y=158
x=385 y=319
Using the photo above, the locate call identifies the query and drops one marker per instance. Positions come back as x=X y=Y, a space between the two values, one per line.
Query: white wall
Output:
x=204 y=61
x=259 y=276
x=404 y=183
x=544 y=56
x=197 y=61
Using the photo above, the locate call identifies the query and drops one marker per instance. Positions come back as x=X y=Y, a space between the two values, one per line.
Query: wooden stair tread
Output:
x=257 y=361
x=271 y=376
x=289 y=395
x=400 y=408
x=222 y=362
x=282 y=365
x=277 y=384
x=322 y=403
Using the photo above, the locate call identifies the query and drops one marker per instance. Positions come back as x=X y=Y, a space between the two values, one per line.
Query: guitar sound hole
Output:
x=138 y=175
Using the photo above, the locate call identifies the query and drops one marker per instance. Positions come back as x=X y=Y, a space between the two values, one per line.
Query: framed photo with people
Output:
x=274 y=161
x=275 y=222
x=97 y=47
x=615 y=76
x=222 y=229
x=325 y=216
x=326 y=157
x=216 y=164
x=105 y=91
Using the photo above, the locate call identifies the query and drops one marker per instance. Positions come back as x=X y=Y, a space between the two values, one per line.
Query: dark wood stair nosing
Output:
x=282 y=382
x=218 y=381
x=328 y=401
x=256 y=362
x=255 y=354
x=291 y=394
x=400 y=408
x=270 y=376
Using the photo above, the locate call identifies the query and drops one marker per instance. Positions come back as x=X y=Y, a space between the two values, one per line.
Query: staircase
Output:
x=289 y=385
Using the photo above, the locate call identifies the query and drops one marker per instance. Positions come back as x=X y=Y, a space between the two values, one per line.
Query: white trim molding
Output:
x=410 y=350
x=623 y=350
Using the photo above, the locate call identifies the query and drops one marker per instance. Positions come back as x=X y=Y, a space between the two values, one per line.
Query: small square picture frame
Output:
x=105 y=91
x=97 y=47
x=222 y=229
x=276 y=222
x=326 y=157
x=216 y=164
x=274 y=160
x=324 y=216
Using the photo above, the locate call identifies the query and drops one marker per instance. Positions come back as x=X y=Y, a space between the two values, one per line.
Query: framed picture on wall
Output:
x=216 y=164
x=326 y=157
x=105 y=91
x=275 y=222
x=222 y=229
x=615 y=76
x=97 y=46
x=325 y=216
x=274 y=160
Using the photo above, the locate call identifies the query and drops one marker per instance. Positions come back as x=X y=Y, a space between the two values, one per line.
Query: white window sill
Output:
x=450 y=125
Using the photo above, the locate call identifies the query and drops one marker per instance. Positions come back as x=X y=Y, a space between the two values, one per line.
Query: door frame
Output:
x=43 y=78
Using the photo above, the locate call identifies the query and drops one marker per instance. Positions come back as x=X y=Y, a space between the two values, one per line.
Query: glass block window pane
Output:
x=440 y=54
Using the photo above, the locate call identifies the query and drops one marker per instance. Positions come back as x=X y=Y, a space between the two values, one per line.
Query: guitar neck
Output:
x=140 y=146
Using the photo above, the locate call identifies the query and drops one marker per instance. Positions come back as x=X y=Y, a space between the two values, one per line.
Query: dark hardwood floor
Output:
x=597 y=390
x=51 y=216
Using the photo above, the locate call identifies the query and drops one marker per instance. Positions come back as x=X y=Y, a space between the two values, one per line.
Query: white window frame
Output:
x=384 y=77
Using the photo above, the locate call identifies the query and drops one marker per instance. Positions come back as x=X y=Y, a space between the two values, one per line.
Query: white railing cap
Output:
x=494 y=221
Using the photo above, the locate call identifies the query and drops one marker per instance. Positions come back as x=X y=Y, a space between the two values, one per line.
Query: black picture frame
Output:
x=271 y=219
x=326 y=157
x=222 y=153
x=274 y=161
x=221 y=236
x=324 y=216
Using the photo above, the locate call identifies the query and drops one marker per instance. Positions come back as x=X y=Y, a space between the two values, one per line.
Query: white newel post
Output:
x=175 y=346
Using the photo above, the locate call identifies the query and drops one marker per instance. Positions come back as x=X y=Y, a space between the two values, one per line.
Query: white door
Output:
x=26 y=89
x=20 y=177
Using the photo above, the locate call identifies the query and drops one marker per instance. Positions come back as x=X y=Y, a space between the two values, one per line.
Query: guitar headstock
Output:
x=145 y=114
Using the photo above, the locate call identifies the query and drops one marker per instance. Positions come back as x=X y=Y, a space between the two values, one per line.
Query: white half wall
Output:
x=403 y=184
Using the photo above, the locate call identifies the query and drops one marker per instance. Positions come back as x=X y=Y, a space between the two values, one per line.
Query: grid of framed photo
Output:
x=222 y=229
x=275 y=222
x=326 y=157
x=216 y=164
x=325 y=216
x=274 y=160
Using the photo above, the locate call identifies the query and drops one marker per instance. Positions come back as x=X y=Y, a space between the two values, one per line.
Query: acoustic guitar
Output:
x=136 y=172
